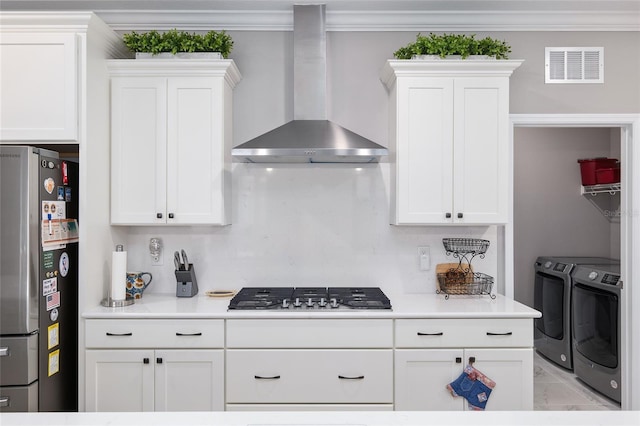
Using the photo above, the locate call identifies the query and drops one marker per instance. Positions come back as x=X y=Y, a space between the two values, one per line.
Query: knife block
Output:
x=187 y=284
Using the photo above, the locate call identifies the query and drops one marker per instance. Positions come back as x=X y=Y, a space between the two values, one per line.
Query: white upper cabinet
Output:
x=171 y=141
x=449 y=134
x=39 y=87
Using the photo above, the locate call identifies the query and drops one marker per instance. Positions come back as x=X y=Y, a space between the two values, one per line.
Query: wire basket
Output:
x=456 y=281
x=465 y=245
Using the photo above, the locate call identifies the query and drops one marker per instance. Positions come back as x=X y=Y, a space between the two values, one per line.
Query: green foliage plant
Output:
x=454 y=44
x=175 y=41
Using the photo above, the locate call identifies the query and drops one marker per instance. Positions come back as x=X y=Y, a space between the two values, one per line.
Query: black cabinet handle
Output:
x=158 y=360
x=447 y=215
x=459 y=215
x=170 y=215
x=508 y=333
x=351 y=378
x=266 y=377
x=472 y=359
x=188 y=334
x=119 y=334
x=159 y=215
x=431 y=334
x=458 y=360
x=145 y=360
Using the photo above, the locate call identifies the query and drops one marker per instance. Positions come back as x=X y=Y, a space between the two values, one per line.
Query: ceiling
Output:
x=350 y=15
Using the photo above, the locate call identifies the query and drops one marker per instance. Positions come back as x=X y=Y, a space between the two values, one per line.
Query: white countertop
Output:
x=403 y=306
x=487 y=418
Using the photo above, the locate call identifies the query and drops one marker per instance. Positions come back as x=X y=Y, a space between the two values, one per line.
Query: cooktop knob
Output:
x=285 y=303
x=310 y=302
x=333 y=302
x=323 y=302
x=297 y=303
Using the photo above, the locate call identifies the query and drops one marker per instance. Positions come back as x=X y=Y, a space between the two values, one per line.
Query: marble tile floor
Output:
x=557 y=389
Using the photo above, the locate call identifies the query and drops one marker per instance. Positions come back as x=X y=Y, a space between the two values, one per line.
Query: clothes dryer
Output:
x=552 y=297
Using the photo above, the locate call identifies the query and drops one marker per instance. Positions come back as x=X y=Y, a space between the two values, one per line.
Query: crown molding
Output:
x=269 y=20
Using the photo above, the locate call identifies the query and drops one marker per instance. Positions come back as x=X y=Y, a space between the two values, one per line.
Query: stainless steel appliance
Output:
x=38 y=281
x=309 y=298
x=596 y=327
x=552 y=297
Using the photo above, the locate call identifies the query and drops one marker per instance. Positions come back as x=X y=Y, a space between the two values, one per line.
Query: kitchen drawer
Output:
x=309 y=376
x=310 y=333
x=154 y=333
x=461 y=333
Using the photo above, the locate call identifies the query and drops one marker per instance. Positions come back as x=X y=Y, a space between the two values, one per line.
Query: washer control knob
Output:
x=297 y=303
x=593 y=275
x=310 y=302
x=285 y=303
x=333 y=302
x=547 y=264
x=323 y=302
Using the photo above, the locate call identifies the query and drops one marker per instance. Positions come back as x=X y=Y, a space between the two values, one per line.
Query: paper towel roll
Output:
x=118 y=289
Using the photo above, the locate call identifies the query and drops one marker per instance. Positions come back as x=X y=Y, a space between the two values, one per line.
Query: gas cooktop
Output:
x=301 y=298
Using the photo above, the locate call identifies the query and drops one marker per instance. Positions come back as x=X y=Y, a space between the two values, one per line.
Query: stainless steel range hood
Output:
x=310 y=137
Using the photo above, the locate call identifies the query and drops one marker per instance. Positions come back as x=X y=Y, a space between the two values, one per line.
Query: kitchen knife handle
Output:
x=266 y=378
x=188 y=334
x=508 y=333
x=4 y=351
x=119 y=334
x=431 y=334
x=4 y=401
x=351 y=378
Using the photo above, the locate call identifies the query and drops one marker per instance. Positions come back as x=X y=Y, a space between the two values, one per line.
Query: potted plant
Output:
x=447 y=45
x=174 y=43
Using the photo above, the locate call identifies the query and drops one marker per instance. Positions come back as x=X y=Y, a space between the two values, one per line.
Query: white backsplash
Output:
x=305 y=225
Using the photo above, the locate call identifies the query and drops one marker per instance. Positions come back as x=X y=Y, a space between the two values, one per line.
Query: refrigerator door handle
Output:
x=4 y=401
x=4 y=351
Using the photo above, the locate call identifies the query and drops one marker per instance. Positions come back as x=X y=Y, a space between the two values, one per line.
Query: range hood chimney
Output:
x=309 y=137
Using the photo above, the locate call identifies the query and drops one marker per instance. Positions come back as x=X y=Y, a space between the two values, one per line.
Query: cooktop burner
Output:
x=299 y=298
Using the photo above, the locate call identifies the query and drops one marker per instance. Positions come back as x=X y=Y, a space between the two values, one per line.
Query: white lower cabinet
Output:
x=154 y=365
x=160 y=380
x=432 y=353
x=313 y=365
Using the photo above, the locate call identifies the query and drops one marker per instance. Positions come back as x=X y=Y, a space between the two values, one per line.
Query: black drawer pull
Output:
x=447 y=215
x=170 y=215
x=266 y=378
x=119 y=334
x=458 y=360
x=158 y=360
x=460 y=215
x=430 y=334
x=508 y=333
x=472 y=360
x=145 y=360
x=159 y=215
x=351 y=378
x=188 y=334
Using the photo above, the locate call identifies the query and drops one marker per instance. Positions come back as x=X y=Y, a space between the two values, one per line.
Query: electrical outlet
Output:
x=424 y=258
x=158 y=260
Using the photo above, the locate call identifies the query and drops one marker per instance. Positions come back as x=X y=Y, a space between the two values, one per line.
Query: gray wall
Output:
x=358 y=100
x=551 y=218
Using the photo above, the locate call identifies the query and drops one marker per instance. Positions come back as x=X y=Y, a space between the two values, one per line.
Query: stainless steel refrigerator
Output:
x=38 y=281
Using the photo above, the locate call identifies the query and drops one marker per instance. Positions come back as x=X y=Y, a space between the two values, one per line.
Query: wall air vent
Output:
x=574 y=64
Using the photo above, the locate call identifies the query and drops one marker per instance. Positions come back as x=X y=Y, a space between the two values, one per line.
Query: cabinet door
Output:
x=512 y=370
x=189 y=380
x=138 y=150
x=195 y=151
x=421 y=377
x=480 y=151
x=119 y=380
x=424 y=150
x=38 y=76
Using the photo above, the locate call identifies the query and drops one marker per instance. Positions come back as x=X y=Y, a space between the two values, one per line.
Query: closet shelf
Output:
x=610 y=188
